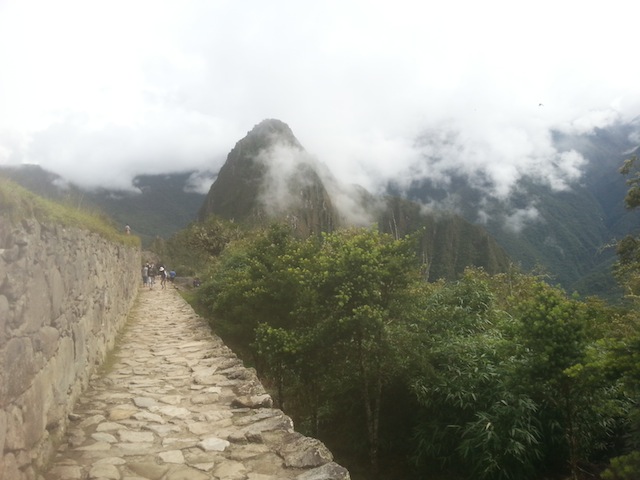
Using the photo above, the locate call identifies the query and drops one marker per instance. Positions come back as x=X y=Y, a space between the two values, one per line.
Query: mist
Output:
x=377 y=91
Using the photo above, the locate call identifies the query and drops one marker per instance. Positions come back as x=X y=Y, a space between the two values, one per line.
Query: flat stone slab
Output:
x=213 y=444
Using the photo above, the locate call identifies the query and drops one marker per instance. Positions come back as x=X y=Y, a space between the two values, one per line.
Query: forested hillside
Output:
x=568 y=233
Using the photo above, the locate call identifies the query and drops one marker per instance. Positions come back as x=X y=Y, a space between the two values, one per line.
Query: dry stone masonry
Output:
x=64 y=295
x=174 y=403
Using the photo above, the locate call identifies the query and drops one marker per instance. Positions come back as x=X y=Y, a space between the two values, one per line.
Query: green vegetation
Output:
x=191 y=250
x=18 y=203
x=491 y=376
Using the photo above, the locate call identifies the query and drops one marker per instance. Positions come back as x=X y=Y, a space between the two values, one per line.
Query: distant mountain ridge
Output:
x=570 y=239
x=160 y=206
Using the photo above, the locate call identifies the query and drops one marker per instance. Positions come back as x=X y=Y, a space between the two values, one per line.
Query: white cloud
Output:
x=101 y=91
x=520 y=218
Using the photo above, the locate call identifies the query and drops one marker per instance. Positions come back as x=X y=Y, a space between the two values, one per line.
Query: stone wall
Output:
x=64 y=295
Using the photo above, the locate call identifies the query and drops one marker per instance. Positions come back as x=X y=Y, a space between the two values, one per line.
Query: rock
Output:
x=97 y=446
x=171 y=399
x=144 y=402
x=171 y=411
x=254 y=401
x=104 y=471
x=231 y=470
x=201 y=428
x=186 y=473
x=108 y=427
x=328 y=471
x=172 y=456
x=299 y=451
x=104 y=437
x=149 y=470
x=149 y=417
x=92 y=420
x=111 y=461
x=205 y=467
x=122 y=412
x=66 y=472
x=135 y=437
x=205 y=398
x=213 y=444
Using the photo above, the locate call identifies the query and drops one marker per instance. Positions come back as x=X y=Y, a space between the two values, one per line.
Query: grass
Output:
x=18 y=203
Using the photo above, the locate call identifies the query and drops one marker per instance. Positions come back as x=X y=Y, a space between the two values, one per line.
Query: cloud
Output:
x=200 y=182
x=102 y=91
x=283 y=177
x=289 y=169
x=520 y=218
x=111 y=155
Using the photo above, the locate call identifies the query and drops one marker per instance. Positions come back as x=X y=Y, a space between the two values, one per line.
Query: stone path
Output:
x=177 y=404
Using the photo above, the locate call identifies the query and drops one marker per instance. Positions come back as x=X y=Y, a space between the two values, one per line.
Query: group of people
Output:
x=150 y=272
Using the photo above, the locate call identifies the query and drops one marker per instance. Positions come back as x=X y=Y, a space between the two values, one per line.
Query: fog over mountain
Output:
x=99 y=92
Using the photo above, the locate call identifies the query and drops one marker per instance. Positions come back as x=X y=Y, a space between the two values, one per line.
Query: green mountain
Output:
x=160 y=205
x=572 y=233
x=269 y=176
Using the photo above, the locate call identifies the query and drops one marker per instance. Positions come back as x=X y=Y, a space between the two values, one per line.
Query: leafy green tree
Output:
x=552 y=332
x=252 y=283
x=472 y=419
x=362 y=282
x=502 y=380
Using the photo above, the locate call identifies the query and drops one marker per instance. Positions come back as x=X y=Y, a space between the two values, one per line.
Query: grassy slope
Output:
x=17 y=203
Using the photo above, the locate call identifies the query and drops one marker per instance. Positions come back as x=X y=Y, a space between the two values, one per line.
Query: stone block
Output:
x=10 y=468
x=36 y=401
x=63 y=369
x=46 y=341
x=299 y=451
x=14 y=438
x=56 y=290
x=18 y=368
x=38 y=308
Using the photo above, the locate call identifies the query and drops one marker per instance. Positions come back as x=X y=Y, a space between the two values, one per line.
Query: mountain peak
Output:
x=268 y=175
x=272 y=127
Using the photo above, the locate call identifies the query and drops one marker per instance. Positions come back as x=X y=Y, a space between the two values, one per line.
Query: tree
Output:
x=472 y=421
x=253 y=282
x=362 y=282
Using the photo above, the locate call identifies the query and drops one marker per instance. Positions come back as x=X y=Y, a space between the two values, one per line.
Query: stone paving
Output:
x=174 y=403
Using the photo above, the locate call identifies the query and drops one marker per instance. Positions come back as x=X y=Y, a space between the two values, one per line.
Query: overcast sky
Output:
x=99 y=91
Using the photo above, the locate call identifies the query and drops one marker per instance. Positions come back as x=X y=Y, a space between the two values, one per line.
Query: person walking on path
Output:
x=163 y=277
